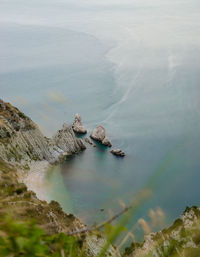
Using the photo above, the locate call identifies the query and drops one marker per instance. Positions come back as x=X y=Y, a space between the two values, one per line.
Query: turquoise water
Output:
x=132 y=66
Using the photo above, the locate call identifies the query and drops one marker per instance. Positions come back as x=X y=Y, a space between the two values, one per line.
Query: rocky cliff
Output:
x=182 y=239
x=22 y=145
x=22 y=140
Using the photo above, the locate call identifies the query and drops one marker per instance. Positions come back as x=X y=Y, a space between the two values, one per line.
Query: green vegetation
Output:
x=21 y=236
x=27 y=240
x=30 y=227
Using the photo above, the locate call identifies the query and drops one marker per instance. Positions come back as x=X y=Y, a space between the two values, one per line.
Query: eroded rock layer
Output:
x=21 y=138
x=21 y=145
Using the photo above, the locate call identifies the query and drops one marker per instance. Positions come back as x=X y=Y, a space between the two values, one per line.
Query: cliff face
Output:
x=21 y=146
x=22 y=204
x=22 y=143
x=21 y=139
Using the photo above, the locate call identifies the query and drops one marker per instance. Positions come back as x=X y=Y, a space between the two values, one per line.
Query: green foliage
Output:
x=130 y=249
x=109 y=228
x=27 y=240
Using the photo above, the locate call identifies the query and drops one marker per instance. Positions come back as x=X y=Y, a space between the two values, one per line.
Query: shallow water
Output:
x=132 y=66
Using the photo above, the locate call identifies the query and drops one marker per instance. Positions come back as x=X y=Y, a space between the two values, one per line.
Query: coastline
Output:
x=25 y=158
x=34 y=179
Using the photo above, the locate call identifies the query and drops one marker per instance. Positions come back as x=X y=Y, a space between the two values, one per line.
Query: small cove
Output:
x=132 y=67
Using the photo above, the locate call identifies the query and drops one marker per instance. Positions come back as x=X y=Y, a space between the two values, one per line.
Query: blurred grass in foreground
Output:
x=26 y=239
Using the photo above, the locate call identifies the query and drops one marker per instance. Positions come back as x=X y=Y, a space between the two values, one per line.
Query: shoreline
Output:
x=34 y=179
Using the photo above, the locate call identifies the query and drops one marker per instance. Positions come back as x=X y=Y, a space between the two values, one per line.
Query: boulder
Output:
x=78 y=126
x=118 y=152
x=106 y=142
x=99 y=134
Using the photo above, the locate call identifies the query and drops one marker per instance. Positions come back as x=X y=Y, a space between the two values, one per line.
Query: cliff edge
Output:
x=22 y=140
x=22 y=144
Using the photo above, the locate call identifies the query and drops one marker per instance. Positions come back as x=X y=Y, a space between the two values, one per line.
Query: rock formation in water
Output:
x=78 y=126
x=22 y=143
x=99 y=134
x=88 y=141
x=66 y=140
x=118 y=152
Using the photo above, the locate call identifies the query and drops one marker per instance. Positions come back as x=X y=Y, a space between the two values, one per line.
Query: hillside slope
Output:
x=22 y=145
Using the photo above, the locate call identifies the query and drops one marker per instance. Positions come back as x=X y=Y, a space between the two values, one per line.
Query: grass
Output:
x=27 y=240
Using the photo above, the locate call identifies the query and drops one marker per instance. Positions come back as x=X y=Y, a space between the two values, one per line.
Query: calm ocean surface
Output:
x=131 y=66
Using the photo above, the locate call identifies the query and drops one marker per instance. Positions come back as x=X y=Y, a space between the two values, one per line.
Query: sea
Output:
x=132 y=66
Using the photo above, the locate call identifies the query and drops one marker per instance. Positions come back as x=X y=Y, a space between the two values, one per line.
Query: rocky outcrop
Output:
x=118 y=152
x=66 y=140
x=22 y=146
x=88 y=141
x=95 y=245
x=22 y=140
x=99 y=134
x=106 y=142
x=181 y=239
x=78 y=126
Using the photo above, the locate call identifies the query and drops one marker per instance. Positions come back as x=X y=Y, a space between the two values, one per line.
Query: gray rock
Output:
x=78 y=126
x=66 y=140
x=106 y=142
x=87 y=140
x=99 y=134
x=2 y=105
x=118 y=152
x=25 y=142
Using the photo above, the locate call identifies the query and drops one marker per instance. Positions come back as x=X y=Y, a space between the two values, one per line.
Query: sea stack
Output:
x=99 y=134
x=78 y=126
x=118 y=152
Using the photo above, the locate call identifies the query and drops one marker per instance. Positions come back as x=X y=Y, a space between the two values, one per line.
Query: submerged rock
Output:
x=99 y=134
x=118 y=152
x=87 y=140
x=78 y=126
